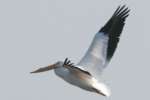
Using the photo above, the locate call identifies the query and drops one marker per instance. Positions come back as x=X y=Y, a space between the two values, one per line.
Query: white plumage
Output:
x=87 y=72
x=95 y=58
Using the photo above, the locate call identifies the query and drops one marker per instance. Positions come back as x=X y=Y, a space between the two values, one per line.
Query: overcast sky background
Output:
x=35 y=33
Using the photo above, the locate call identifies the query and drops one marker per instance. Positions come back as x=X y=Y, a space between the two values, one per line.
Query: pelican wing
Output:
x=105 y=42
x=67 y=64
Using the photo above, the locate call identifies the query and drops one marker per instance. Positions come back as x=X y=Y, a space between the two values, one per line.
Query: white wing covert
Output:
x=104 y=43
x=94 y=59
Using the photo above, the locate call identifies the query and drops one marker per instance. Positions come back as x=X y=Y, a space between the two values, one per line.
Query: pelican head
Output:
x=49 y=67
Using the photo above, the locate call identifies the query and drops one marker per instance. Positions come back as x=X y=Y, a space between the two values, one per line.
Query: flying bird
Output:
x=87 y=72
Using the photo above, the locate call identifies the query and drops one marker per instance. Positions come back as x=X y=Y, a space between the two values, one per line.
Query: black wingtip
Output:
x=65 y=61
x=68 y=62
x=113 y=28
x=121 y=13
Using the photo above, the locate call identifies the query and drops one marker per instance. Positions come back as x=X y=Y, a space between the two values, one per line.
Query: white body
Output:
x=88 y=83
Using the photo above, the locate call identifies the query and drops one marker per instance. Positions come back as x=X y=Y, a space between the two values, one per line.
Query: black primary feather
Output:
x=67 y=62
x=113 y=29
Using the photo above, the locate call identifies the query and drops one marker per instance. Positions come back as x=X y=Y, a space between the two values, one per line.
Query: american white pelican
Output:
x=86 y=73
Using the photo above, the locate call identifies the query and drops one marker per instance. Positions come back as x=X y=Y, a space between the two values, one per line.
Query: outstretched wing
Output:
x=72 y=68
x=105 y=42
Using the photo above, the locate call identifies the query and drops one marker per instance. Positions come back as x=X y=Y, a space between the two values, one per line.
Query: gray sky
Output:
x=35 y=33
